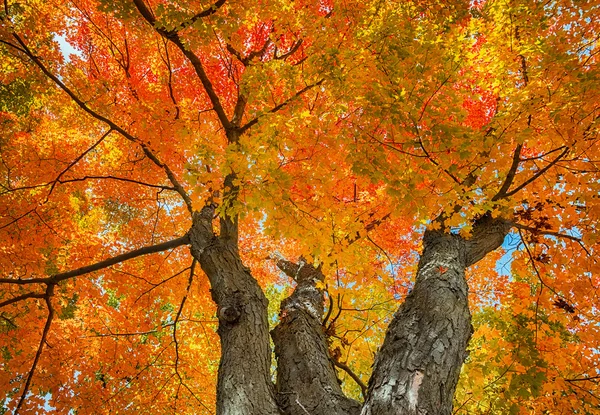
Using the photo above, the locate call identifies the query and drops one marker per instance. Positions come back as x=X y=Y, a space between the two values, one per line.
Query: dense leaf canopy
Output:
x=334 y=130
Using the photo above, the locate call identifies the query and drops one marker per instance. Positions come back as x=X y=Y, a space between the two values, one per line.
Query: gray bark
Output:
x=306 y=379
x=418 y=365
x=244 y=383
x=416 y=369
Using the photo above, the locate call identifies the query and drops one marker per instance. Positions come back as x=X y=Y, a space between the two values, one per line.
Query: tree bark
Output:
x=307 y=382
x=244 y=382
x=418 y=365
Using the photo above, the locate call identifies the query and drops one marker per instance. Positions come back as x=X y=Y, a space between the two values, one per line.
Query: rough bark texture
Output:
x=306 y=379
x=417 y=367
x=244 y=385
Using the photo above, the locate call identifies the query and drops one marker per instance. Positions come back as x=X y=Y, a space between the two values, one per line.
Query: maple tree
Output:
x=340 y=183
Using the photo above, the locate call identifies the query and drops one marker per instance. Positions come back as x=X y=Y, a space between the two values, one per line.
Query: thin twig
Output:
x=353 y=375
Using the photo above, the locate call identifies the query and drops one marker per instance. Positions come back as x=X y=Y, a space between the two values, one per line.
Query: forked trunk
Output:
x=416 y=369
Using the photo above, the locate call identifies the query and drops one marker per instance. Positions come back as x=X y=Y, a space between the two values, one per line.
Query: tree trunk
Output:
x=416 y=369
x=418 y=365
x=307 y=382
x=244 y=382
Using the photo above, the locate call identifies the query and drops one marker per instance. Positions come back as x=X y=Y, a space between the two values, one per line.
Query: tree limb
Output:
x=543 y=232
x=173 y=36
x=184 y=240
x=538 y=174
x=49 y=293
x=273 y=110
x=353 y=375
x=22 y=297
x=510 y=176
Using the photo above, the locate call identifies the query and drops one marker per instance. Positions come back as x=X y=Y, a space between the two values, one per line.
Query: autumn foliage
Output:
x=335 y=131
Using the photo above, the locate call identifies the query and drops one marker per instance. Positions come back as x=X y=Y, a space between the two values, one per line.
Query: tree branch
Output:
x=538 y=174
x=353 y=375
x=591 y=379
x=107 y=121
x=84 y=178
x=184 y=240
x=290 y=52
x=543 y=232
x=187 y=291
x=74 y=162
x=205 y=13
x=510 y=176
x=49 y=293
x=273 y=110
x=22 y=297
x=173 y=36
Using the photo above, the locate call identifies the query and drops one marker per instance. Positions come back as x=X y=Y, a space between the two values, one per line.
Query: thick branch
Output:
x=510 y=176
x=488 y=234
x=538 y=174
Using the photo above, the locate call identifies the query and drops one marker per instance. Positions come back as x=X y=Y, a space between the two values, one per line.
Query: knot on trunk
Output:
x=231 y=311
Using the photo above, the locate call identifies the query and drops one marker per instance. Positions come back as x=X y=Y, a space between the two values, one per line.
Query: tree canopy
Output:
x=329 y=136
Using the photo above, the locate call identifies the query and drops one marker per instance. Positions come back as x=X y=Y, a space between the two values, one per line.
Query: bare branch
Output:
x=184 y=240
x=187 y=291
x=537 y=272
x=84 y=178
x=173 y=36
x=290 y=52
x=205 y=13
x=432 y=160
x=246 y=61
x=539 y=173
x=22 y=297
x=543 y=155
x=273 y=110
x=122 y=179
x=74 y=162
x=510 y=176
x=591 y=379
x=545 y=232
x=49 y=293
x=17 y=219
x=353 y=375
